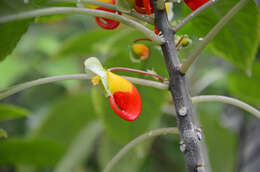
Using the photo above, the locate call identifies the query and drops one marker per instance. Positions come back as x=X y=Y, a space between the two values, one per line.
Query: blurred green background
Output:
x=69 y=126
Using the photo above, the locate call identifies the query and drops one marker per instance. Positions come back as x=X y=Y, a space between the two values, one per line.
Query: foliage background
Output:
x=69 y=126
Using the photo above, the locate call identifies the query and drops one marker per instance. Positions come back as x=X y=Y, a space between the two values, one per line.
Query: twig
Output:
x=20 y=87
x=133 y=143
x=193 y=14
x=137 y=71
x=228 y=100
x=144 y=18
x=212 y=33
x=72 y=10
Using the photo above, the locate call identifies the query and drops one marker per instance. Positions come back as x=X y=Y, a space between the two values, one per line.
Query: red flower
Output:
x=107 y=23
x=194 y=4
x=125 y=99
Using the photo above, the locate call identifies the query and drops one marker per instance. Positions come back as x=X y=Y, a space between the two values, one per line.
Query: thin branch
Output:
x=193 y=14
x=72 y=10
x=137 y=71
x=148 y=83
x=20 y=87
x=133 y=143
x=144 y=18
x=228 y=100
x=213 y=32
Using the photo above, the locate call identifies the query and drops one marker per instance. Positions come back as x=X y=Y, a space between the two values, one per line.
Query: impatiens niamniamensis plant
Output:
x=153 y=19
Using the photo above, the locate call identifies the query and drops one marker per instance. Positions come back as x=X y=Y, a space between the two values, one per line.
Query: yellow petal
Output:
x=118 y=83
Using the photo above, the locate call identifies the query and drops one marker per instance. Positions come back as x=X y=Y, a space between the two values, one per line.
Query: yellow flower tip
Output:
x=94 y=6
x=95 y=80
x=141 y=50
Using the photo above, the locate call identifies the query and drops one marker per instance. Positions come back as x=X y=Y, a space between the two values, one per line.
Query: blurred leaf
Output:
x=221 y=141
x=61 y=67
x=83 y=43
x=31 y=152
x=80 y=149
x=12 y=32
x=11 y=69
x=9 y=112
x=67 y=117
x=129 y=162
x=3 y=134
x=242 y=47
x=244 y=87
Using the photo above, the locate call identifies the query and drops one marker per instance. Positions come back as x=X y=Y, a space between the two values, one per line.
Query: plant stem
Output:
x=137 y=71
x=133 y=143
x=228 y=100
x=20 y=87
x=193 y=14
x=72 y=10
x=144 y=18
x=212 y=33
x=193 y=154
x=162 y=86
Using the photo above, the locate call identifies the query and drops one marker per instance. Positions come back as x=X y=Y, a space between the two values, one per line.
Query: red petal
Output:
x=194 y=4
x=147 y=6
x=156 y=30
x=107 y=23
x=143 y=6
x=126 y=105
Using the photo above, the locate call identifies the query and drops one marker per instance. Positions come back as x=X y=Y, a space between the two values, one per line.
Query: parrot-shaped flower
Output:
x=194 y=4
x=123 y=96
x=104 y=22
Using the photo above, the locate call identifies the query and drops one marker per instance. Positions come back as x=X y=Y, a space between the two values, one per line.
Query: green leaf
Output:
x=3 y=134
x=67 y=116
x=38 y=152
x=238 y=41
x=12 y=32
x=9 y=112
x=83 y=43
x=246 y=87
x=80 y=149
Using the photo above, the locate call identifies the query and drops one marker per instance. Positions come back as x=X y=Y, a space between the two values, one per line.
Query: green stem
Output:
x=194 y=14
x=213 y=32
x=154 y=84
x=133 y=143
x=144 y=18
x=72 y=10
x=20 y=87
x=228 y=100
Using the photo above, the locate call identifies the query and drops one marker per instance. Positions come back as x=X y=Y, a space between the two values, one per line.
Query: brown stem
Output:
x=190 y=138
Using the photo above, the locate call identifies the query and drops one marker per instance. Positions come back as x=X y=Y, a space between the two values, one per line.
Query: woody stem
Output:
x=193 y=154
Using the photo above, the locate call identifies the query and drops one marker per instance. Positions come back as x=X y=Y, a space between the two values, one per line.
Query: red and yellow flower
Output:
x=123 y=96
x=194 y=4
x=104 y=22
